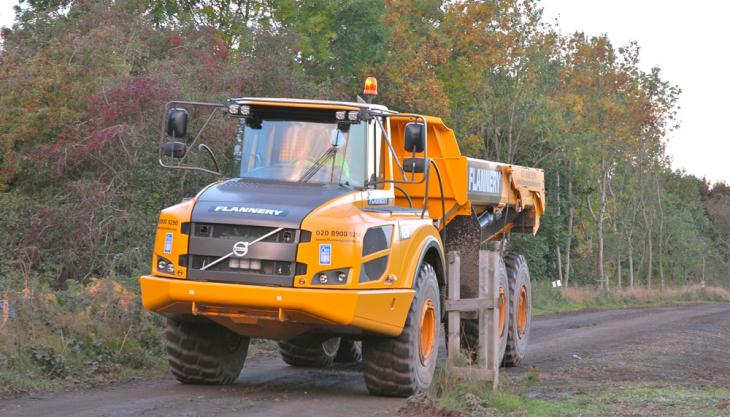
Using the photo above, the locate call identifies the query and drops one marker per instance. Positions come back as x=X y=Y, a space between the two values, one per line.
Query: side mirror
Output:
x=414 y=138
x=177 y=122
x=175 y=149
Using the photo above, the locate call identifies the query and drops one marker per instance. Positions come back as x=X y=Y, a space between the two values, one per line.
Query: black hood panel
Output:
x=271 y=204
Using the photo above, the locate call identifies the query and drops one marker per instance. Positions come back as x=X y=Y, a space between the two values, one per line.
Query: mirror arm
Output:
x=212 y=156
x=390 y=146
x=397 y=161
x=200 y=132
x=216 y=107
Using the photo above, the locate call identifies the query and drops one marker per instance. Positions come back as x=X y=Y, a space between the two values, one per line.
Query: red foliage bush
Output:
x=127 y=102
x=111 y=114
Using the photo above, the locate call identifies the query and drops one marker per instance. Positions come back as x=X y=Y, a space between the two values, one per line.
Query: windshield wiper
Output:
x=311 y=171
x=331 y=152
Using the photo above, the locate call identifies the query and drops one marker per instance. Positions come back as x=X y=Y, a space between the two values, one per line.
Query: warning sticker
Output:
x=325 y=254
x=168 y=243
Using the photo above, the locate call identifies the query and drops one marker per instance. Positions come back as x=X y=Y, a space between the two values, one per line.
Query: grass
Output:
x=548 y=300
x=478 y=399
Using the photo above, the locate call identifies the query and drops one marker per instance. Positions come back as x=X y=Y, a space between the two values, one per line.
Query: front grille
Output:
x=269 y=261
x=260 y=266
x=244 y=233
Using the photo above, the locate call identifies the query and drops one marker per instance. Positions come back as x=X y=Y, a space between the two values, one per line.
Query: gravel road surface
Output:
x=575 y=349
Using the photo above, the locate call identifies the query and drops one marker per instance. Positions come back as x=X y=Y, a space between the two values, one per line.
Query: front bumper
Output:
x=377 y=311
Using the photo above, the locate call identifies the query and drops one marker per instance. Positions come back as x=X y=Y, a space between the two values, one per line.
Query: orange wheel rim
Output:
x=502 y=305
x=427 y=341
x=522 y=311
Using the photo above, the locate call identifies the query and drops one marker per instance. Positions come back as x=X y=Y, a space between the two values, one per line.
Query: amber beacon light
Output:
x=371 y=87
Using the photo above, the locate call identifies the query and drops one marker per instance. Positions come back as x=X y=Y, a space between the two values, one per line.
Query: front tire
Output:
x=401 y=366
x=204 y=352
x=520 y=311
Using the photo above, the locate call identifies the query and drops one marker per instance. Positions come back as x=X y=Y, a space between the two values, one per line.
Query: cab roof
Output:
x=315 y=104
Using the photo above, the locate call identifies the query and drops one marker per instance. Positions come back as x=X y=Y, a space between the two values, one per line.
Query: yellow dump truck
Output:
x=329 y=235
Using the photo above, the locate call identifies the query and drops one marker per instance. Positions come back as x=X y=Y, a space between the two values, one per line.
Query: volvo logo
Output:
x=240 y=249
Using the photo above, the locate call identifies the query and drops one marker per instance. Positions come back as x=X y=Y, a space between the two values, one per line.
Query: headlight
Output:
x=165 y=266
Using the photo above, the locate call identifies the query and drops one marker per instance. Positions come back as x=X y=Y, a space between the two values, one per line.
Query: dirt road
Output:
x=567 y=350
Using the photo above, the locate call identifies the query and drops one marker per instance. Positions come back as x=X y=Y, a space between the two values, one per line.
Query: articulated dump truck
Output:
x=329 y=235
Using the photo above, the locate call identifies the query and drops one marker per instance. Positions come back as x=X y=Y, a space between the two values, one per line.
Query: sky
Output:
x=687 y=40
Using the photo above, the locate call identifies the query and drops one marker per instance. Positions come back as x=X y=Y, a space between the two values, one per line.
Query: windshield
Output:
x=287 y=150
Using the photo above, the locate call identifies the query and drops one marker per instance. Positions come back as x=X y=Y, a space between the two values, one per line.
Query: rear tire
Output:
x=313 y=351
x=470 y=327
x=204 y=352
x=520 y=310
x=401 y=366
x=350 y=351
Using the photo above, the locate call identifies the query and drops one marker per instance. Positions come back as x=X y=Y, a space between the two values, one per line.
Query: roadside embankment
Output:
x=548 y=300
x=82 y=335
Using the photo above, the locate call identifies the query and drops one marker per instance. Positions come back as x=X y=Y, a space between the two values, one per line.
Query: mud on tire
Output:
x=310 y=350
x=519 y=319
x=204 y=352
x=397 y=366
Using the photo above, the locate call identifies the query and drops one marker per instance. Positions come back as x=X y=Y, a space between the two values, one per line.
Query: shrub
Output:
x=78 y=334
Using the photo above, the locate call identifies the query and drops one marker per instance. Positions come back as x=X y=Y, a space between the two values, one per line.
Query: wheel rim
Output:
x=427 y=341
x=522 y=311
x=330 y=346
x=502 y=305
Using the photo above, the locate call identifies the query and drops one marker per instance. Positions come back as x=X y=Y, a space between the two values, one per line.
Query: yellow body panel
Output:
x=380 y=311
x=172 y=220
x=342 y=223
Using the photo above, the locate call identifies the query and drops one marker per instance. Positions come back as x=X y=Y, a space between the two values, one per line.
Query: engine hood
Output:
x=271 y=204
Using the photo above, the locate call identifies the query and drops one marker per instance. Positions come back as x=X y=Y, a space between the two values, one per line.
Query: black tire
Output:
x=204 y=352
x=350 y=351
x=393 y=366
x=519 y=278
x=314 y=351
x=470 y=327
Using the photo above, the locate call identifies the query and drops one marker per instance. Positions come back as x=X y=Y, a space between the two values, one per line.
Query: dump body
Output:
x=514 y=195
